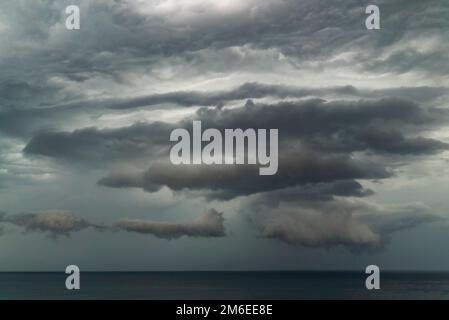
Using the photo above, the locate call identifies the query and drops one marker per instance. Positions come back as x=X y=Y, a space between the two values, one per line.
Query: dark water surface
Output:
x=225 y=285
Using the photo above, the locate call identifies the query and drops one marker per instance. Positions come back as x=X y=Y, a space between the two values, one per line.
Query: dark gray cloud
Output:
x=316 y=192
x=226 y=182
x=317 y=140
x=339 y=126
x=316 y=143
x=117 y=38
x=26 y=120
x=355 y=225
x=120 y=36
x=208 y=225
x=97 y=147
x=55 y=223
x=343 y=126
x=392 y=141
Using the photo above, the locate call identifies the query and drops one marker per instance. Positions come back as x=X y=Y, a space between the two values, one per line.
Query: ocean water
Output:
x=225 y=285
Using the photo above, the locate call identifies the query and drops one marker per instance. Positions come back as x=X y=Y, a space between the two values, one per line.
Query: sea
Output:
x=273 y=285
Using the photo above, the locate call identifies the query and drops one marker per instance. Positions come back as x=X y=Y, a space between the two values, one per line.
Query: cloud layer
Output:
x=85 y=117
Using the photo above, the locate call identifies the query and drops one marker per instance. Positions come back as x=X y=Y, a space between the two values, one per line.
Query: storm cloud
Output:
x=86 y=116
x=380 y=126
x=97 y=147
x=226 y=182
x=318 y=142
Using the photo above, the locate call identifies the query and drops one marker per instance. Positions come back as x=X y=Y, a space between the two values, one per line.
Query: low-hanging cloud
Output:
x=55 y=223
x=208 y=225
x=353 y=224
x=63 y=223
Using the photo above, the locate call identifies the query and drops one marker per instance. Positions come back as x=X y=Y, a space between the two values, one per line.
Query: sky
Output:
x=86 y=116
